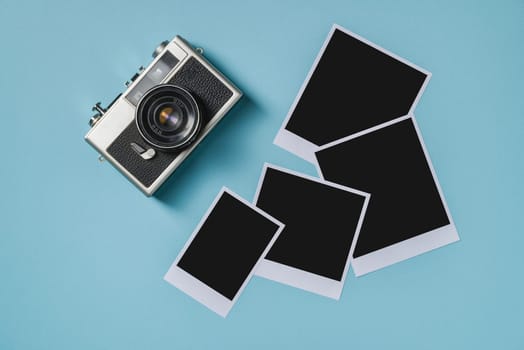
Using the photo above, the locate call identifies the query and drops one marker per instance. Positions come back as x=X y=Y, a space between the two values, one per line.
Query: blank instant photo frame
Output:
x=353 y=85
x=407 y=214
x=322 y=223
x=221 y=255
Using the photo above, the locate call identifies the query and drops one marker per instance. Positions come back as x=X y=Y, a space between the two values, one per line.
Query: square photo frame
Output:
x=407 y=214
x=322 y=223
x=222 y=253
x=353 y=85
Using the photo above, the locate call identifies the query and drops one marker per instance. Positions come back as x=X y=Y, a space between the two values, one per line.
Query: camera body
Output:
x=166 y=110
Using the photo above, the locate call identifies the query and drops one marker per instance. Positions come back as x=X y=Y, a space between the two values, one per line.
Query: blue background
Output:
x=83 y=253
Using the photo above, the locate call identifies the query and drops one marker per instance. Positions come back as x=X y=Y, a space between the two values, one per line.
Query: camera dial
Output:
x=99 y=113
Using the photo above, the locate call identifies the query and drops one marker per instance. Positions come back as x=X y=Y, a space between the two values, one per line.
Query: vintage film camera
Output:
x=167 y=109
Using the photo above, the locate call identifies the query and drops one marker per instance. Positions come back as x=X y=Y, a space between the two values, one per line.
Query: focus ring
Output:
x=168 y=117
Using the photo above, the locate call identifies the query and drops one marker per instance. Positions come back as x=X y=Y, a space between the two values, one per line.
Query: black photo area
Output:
x=354 y=87
x=228 y=245
x=320 y=222
x=390 y=164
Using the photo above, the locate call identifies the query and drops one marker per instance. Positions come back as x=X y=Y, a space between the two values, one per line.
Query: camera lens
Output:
x=168 y=117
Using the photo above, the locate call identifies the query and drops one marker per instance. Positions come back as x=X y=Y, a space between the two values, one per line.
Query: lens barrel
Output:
x=168 y=117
